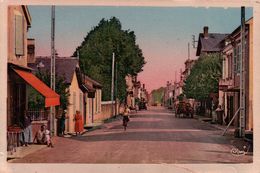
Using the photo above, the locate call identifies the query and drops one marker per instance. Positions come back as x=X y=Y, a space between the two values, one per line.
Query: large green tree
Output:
x=96 y=50
x=204 y=77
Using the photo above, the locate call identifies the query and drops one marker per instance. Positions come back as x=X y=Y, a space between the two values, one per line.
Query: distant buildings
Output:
x=135 y=91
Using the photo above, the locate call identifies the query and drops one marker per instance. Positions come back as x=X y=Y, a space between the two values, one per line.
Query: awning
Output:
x=51 y=97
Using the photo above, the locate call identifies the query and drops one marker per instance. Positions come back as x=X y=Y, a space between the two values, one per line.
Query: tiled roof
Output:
x=65 y=66
x=211 y=43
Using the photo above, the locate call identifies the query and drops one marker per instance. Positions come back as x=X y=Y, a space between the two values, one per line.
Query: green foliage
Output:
x=157 y=95
x=204 y=77
x=36 y=100
x=96 y=55
x=180 y=97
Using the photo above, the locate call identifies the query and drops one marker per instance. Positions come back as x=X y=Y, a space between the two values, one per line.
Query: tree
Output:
x=96 y=55
x=36 y=100
x=204 y=77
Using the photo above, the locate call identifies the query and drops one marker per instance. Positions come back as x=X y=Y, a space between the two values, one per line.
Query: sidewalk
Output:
x=208 y=120
x=239 y=143
x=23 y=151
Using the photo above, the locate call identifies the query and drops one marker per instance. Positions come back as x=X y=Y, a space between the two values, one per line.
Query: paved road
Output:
x=153 y=136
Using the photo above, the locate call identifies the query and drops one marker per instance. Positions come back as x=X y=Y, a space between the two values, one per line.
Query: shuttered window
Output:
x=19 y=35
x=235 y=59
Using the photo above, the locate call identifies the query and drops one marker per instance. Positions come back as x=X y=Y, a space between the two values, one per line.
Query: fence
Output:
x=38 y=115
x=13 y=139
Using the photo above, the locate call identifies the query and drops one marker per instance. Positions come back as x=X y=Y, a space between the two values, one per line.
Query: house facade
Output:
x=229 y=84
x=20 y=77
x=65 y=68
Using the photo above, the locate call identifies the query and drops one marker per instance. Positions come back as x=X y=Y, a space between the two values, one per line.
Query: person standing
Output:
x=126 y=117
x=27 y=131
x=78 y=123
x=62 y=123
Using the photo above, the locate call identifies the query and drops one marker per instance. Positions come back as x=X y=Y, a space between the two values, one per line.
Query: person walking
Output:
x=27 y=129
x=78 y=123
x=126 y=117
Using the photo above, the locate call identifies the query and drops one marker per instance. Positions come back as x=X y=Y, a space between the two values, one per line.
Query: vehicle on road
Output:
x=184 y=109
x=142 y=105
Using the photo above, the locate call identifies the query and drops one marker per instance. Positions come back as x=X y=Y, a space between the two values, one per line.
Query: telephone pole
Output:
x=242 y=76
x=52 y=109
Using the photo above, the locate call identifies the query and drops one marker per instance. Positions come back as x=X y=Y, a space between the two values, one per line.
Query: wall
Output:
x=22 y=60
x=74 y=100
x=250 y=108
x=106 y=109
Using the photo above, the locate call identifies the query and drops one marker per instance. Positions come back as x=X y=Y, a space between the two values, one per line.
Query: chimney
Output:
x=206 y=31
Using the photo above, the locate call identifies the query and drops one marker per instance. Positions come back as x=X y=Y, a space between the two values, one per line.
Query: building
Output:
x=229 y=84
x=84 y=93
x=188 y=66
x=134 y=91
x=93 y=98
x=20 y=77
x=169 y=95
x=209 y=42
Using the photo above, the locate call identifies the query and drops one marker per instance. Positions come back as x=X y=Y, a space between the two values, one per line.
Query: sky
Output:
x=163 y=33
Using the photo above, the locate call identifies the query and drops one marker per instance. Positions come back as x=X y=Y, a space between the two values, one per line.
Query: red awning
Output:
x=51 y=97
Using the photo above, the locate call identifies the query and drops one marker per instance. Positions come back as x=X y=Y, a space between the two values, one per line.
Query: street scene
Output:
x=152 y=136
x=127 y=85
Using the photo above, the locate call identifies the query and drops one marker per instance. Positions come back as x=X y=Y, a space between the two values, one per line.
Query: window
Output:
x=236 y=59
x=19 y=35
x=230 y=65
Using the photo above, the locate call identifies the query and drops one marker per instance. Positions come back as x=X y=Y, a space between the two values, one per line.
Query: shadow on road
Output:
x=154 y=136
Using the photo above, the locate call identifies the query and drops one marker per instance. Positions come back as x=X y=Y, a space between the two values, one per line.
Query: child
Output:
x=48 y=138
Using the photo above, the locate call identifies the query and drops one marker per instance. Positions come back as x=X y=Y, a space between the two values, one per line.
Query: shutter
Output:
x=235 y=60
x=19 y=36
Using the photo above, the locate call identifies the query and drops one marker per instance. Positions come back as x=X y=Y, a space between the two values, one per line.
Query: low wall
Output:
x=106 y=111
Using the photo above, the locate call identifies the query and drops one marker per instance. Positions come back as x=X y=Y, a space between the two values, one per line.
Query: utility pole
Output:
x=112 y=83
x=116 y=103
x=242 y=76
x=53 y=52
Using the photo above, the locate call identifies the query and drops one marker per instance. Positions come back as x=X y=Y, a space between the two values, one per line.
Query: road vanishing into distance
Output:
x=153 y=136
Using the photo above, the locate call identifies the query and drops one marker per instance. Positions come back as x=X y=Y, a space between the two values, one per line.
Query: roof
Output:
x=65 y=66
x=94 y=83
x=211 y=43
